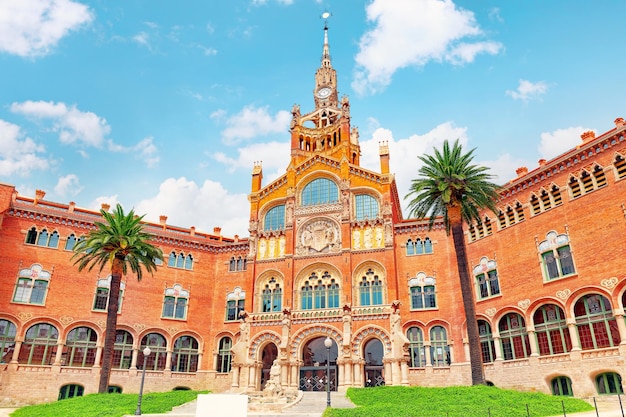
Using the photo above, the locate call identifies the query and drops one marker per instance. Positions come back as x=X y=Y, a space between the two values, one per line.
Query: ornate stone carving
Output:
x=524 y=304
x=139 y=327
x=318 y=236
x=563 y=294
x=609 y=283
x=65 y=320
x=24 y=316
x=491 y=312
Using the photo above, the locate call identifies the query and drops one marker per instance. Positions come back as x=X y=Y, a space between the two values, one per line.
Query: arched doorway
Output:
x=373 y=370
x=269 y=354
x=315 y=357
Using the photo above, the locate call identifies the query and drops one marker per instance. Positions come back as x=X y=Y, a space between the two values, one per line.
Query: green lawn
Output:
x=474 y=401
x=109 y=405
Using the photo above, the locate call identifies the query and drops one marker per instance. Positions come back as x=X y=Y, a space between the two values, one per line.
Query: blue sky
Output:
x=164 y=106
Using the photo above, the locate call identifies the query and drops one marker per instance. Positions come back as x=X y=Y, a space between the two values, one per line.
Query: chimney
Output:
x=71 y=207
x=236 y=238
x=39 y=195
x=383 y=151
x=105 y=206
x=163 y=221
x=192 y=230
x=257 y=176
x=588 y=136
x=619 y=122
x=542 y=162
x=521 y=171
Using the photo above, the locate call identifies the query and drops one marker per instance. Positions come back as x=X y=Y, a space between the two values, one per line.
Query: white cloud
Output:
x=33 y=27
x=146 y=150
x=204 y=206
x=112 y=201
x=503 y=168
x=274 y=155
x=404 y=152
x=527 y=90
x=143 y=39
x=19 y=155
x=68 y=185
x=252 y=122
x=412 y=33
x=561 y=140
x=72 y=124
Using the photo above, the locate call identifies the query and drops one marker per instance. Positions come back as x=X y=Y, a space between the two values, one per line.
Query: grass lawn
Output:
x=109 y=405
x=476 y=401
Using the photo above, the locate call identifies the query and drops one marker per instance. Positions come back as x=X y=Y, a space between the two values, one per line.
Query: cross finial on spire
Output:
x=325 y=16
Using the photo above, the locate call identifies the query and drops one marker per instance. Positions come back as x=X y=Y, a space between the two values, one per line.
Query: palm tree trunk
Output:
x=473 y=338
x=109 y=333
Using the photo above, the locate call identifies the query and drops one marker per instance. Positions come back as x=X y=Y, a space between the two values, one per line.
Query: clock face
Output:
x=323 y=92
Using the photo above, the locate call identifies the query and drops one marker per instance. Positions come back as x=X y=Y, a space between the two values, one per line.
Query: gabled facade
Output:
x=329 y=256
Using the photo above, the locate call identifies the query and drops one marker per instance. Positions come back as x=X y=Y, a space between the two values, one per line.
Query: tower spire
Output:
x=326 y=51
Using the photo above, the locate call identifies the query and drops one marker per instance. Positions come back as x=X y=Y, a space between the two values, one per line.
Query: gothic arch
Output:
x=258 y=343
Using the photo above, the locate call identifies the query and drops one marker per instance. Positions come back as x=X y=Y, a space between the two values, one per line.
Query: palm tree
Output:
x=121 y=243
x=450 y=186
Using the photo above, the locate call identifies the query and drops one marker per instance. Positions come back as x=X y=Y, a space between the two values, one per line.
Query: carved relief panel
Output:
x=368 y=237
x=320 y=235
x=271 y=247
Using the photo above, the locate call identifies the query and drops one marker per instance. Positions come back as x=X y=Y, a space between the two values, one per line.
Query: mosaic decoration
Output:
x=315 y=331
x=261 y=339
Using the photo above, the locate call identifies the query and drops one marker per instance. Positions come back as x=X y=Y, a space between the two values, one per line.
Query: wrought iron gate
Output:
x=313 y=378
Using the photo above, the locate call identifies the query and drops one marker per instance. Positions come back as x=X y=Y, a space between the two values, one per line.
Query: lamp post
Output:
x=146 y=353
x=328 y=343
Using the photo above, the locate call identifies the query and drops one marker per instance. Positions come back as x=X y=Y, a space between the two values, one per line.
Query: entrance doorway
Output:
x=315 y=357
x=270 y=352
x=373 y=370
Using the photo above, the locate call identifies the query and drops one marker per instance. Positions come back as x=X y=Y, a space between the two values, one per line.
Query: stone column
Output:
x=427 y=354
x=358 y=373
x=532 y=340
x=59 y=354
x=16 y=352
x=133 y=360
x=497 y=345
x=96 y=363
x=621 y=325
x=573 y=333
x=284 y=374
x=404 y=371
x=395 y=372
x=252 y=377
x=235 y=383
x=168 y=360
x=295 y=378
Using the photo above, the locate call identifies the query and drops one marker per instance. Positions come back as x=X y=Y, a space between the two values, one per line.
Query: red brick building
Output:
x=330 y=255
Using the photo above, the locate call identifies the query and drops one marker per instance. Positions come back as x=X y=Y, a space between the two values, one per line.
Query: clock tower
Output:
x=326 y=130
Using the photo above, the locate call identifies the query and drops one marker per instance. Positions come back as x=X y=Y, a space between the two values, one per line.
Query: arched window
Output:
x=561 y=385
x=122 y=350
x=224 y=355
x=551 y=330
x=32 y=285
x=597 y=327
x=101 y=298
x=306 y=294
x=158 y=354
x=175 y=302
x=7 y=340
x=423 y=295
x=417 y=354
x=275 y=218
x=486 y=276
x=370 y=289
x=609 y=383
x=53 y=242
x=40 y=345
x=42 y=240
x=180 y=260
x=185 y=354
x=428 y=245
x=439 y=348
x=556 y=256
x=80 y=347
x=171 y=261
x=235 y=304
x=410 y=247
x=70 y=242
x=189 y=262
x=513 y=337
x=272 y=296
x=70 y=391
x=31 y=236
x=366 y=207
x=487 y=346
x=320 y=191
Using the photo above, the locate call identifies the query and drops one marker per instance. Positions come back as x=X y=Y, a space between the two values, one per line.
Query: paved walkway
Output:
x=312 y=404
